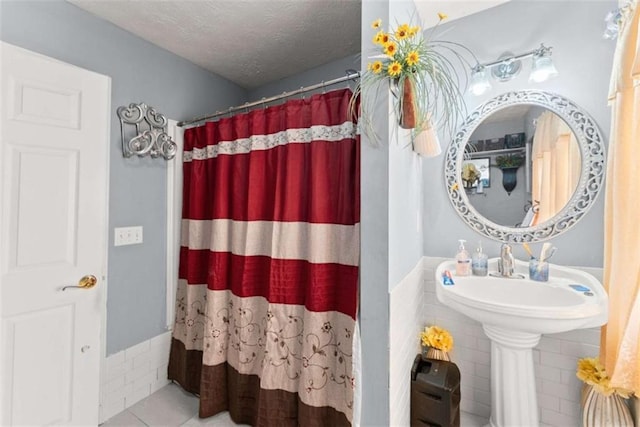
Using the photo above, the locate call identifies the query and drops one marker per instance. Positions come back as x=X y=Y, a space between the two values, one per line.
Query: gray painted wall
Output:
x=374 y=244
x=498 y=129
x=392 y=239
x=140 y=72
x=495 y=203
x=582 y=57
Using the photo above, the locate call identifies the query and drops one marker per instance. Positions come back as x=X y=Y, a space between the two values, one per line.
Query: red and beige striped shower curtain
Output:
x=267 y=292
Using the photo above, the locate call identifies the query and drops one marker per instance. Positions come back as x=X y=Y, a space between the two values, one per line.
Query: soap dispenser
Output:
x=479 y=262
x=463 y=261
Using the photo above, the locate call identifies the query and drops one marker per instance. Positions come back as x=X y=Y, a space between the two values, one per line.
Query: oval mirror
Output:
x=525 y=166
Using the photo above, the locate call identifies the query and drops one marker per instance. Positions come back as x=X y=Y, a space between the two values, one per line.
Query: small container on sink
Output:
x=538 y=270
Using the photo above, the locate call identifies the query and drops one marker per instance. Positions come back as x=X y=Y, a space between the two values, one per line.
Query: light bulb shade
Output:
x=479 y=81
x=426 y=143
x=542 y=69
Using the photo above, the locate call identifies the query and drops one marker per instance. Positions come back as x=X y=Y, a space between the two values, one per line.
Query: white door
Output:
x=54 y=133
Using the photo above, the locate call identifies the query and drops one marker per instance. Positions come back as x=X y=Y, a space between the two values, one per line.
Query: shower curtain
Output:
x=556 y=166
x=267 y=292
x=620 y=341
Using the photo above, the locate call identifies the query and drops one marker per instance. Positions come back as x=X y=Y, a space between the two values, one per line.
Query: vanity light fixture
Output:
x=509 y=65
x=479 y=80
x=542 y=68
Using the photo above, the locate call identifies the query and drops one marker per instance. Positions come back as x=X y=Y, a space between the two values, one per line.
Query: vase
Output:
x=426 y=143
x=436 y=354
x=408 y=105
x=599 y=410
x=468 y=184
x=509 y=179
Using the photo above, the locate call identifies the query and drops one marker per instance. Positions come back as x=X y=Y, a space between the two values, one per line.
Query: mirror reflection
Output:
x=522 y=165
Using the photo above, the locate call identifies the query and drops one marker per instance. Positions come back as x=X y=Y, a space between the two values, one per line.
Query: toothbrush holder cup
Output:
x=538 y=270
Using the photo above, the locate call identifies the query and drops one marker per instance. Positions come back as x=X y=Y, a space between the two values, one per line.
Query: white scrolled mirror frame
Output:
x=591 y=176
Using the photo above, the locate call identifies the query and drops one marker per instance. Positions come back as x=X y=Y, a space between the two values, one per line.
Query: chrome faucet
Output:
x=506 y=263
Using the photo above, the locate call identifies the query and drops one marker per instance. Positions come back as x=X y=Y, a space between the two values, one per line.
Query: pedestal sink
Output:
x=514 y=314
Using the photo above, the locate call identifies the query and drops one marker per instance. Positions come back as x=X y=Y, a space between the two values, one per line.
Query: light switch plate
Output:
x=127 y=236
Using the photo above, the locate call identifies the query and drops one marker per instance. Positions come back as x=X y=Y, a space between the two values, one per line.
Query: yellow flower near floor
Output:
x=592 y=372
x=437 y=337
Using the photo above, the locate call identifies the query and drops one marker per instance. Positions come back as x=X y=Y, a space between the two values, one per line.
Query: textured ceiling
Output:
x=255 y=42
x=250 y=42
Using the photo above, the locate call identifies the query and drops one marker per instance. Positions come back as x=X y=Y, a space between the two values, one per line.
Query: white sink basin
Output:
x=523 y=304
x=514 y=313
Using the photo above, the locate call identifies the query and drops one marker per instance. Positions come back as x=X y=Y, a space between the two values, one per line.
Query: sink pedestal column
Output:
x=513 y=383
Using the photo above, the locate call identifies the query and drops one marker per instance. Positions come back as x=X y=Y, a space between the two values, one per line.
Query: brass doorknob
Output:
x=86 y=282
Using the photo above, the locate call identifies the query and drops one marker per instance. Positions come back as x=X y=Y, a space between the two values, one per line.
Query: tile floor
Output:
x=173 y=407
x=168 y=407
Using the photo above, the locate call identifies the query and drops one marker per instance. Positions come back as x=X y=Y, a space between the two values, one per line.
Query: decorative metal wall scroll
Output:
x=144 y=132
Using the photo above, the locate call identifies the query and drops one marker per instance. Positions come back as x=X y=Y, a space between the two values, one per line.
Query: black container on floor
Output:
x=435 y=393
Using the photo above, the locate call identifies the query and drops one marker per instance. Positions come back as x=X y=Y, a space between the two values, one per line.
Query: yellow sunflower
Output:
x=413 y=57
x=413 y=31
x=381 y=38
x=376 y=67
x=390 y=48
x=394 y=69
x=376 y=24
x=402 y=32
x=442 y=16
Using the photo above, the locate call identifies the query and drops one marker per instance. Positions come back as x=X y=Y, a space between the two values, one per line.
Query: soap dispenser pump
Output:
x=479 y=262
x=463 y=261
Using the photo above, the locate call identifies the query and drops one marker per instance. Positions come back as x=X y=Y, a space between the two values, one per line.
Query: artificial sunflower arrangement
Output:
x=592 y=372
x=420 y=74
x=437 y=337
x=470 y=174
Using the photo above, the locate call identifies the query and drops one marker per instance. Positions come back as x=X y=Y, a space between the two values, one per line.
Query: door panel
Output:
x=35 y=402
x=48 y=104
x=54 y=125
x=44 y=207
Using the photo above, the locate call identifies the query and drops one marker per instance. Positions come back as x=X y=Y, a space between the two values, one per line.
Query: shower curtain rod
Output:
x=351 y=75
